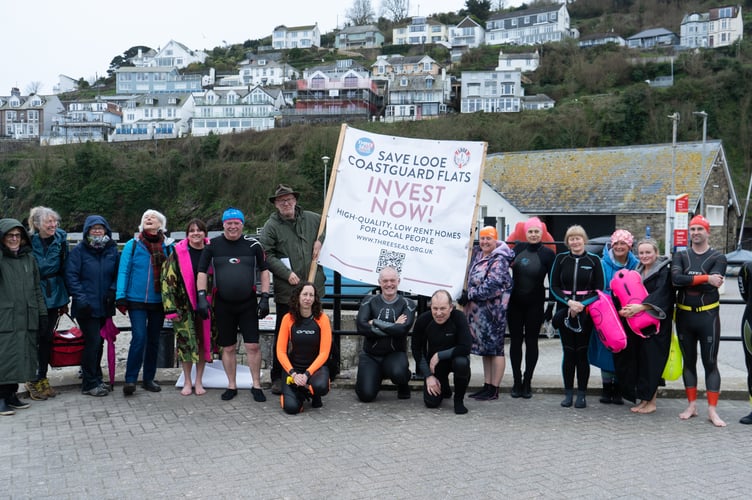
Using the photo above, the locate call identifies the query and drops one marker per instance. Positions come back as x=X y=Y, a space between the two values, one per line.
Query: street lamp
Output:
x=671 y=208
x=325 y=159
x=674 y=118
x=702 y=168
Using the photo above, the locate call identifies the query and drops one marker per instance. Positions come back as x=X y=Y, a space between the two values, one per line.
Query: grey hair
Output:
x=38 y=215
x=158 y=215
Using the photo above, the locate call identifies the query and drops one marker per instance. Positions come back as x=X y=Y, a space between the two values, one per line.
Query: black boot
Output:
x=527 y=390
x=459 y=406
x=616 y=395
x=481 y=392
x=516 y=389
x=491 y=395
x=580 y=403
x=567 y=401
x=607 y=393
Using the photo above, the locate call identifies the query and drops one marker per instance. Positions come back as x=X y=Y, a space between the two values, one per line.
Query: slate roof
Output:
x=618 y=180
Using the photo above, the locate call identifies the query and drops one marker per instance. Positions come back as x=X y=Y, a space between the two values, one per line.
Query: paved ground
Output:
x=167 y=445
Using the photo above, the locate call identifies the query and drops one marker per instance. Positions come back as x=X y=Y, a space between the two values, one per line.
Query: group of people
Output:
x=207 y=288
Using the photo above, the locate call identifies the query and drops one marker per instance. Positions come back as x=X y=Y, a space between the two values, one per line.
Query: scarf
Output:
x=153 y=243
x=97 y=242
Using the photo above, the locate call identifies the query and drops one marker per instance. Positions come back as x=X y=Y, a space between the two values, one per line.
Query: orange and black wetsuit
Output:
x=304 y=347
x=698 y=318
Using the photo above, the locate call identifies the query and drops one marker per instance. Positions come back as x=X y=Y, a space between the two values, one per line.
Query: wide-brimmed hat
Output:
x=282 y=190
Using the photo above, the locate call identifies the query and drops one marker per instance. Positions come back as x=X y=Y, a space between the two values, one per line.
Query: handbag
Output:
x=673 y=368
x=67 y=345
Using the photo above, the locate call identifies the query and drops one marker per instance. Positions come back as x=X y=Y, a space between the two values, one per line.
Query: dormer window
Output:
x=403 y=82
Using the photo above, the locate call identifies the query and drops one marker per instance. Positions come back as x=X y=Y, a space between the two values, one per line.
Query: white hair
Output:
x=158 y=215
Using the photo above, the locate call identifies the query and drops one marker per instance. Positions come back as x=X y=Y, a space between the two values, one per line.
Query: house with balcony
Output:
x=154 y=116
x=597 y=39
x=653 y=38
x=175 y=54
x=85 y=120
x=491 y=91
x=231 y=111
x=693 y=32
x=27 y=117
x=421 y=30
x=264 y=71
x=155 y=80
x=466 y=35
x=725 y=26
x=359 y=37
x=337 y=90
x=415 y=87
x=533 y=26
x=298 y=37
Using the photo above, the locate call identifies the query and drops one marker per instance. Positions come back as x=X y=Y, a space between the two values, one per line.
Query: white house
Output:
x=262 y=71
x=537 y=102
x=298 y=37
x=495 y=210
x=725 y=26
x=491 y=91
x=175 y=54
x=528 y=61
x=154 y=79
x=231 y=111
x=420 y=30
x=533 y=26
x=65 y=84
x=601 y=39
x=155 y=116
x=694 y=30
x=85 y=120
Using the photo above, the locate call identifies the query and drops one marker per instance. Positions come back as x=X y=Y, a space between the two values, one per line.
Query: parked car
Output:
x=595 y=245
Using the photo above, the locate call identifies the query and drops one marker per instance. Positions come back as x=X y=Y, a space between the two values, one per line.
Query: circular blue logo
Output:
x=364 y=146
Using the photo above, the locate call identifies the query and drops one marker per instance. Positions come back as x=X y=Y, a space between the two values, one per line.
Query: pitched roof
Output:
x=629 y=179
x=526 y=12
x=653 y=32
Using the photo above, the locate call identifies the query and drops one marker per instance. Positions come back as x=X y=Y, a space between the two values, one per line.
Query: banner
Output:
x=405 y=203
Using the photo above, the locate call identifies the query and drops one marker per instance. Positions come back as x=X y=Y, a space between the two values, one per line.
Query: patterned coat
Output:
x=489 y=285
x=179 y=301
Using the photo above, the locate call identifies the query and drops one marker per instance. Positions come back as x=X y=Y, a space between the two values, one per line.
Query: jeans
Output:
x=146 y=326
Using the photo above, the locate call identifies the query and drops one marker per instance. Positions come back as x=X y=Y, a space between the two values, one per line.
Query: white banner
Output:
x=405 y=203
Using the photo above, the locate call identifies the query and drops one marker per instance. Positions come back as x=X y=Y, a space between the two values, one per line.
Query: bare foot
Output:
x=200 y=391
x=649 y=408
x=638 y=408
x=713 y=417
x=690 y=412
x=187 y=390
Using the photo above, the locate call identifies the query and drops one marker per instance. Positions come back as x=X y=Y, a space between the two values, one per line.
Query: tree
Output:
x=395 y=10
x=124 y=58
x=34 y=87
x=479 y=9
x=361 y=13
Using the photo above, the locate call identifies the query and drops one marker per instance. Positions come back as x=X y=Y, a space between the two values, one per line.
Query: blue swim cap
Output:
x=233 y=213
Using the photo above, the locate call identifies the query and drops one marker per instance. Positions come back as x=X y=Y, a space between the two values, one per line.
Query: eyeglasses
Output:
x=13 y=236
x=286 y=201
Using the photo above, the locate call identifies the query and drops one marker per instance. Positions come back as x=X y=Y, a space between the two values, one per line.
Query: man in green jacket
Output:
x=290 y=241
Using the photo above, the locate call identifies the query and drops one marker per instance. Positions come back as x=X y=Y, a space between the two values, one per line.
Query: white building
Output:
x=491 y=91
x=420 y=30
x=155 y=116
x=231 y=111
x=264 y=71
x=532 y=26
x=527 y=61
x=298 y=37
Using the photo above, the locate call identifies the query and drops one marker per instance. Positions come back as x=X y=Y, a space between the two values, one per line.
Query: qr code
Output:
x=388 y=258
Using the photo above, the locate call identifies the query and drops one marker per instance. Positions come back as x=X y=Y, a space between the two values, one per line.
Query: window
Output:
x=714 y=213
x=473 y=89
x=351 y=81
x=403 y=82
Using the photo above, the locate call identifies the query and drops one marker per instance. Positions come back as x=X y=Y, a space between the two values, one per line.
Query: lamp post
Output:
x=325 y=159
x=671 y=205
x=674 y=118
x=702 y=168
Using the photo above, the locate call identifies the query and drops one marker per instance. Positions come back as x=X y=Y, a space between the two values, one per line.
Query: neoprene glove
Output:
x=121 y=305
x=463 y=299
x=263 y=306
x=202 y=305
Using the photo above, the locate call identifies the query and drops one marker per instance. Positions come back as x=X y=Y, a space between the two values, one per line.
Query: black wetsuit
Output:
x=745 y=287
x=385 y=344
x=452 y=341
x=531 y=265
x=235 y=264
x=698 y=314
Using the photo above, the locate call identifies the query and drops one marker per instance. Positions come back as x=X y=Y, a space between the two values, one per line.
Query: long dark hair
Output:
x=201 y=225
x=295 y=301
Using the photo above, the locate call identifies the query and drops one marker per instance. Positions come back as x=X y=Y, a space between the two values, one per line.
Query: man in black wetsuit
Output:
x=441 y=344
x=235 y=259
x=697 y=273
x=385 y=320
x=745 y=288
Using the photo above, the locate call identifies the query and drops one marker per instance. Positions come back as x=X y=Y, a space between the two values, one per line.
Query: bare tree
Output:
x=395 y=10
x=34 y=87
x=360 y=13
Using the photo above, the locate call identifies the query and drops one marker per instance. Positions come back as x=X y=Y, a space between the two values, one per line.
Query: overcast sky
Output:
x=46 y=38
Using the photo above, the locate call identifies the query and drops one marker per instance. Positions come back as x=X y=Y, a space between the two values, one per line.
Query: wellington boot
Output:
x=567 y=401
x=527 y=390
x=516 y=389
x=581 y=402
